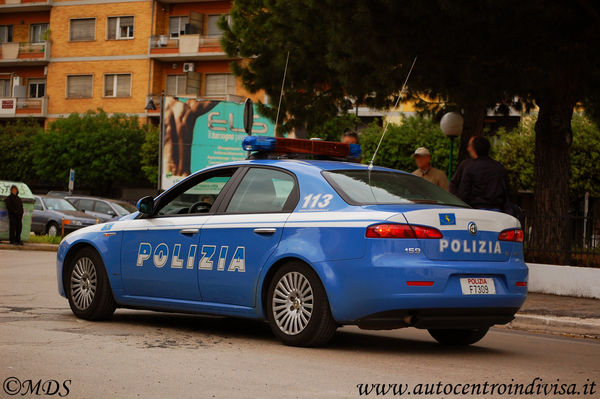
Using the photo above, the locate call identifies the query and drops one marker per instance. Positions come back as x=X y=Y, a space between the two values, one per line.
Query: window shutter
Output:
x=79 y=86
x=83 y=29
x=111 y=28
x=212 y=28
x=123 y=85
x=108 y=85
x=196 y=23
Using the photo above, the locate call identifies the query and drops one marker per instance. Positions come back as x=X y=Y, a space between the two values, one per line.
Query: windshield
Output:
x=123 y=208
x=58 y=204
x=387 y=188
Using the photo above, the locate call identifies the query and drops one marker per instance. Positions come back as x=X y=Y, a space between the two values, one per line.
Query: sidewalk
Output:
x=559 y=315
x=543 y=313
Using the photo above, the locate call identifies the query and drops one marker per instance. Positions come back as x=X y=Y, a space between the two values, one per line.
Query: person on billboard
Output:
x=180 y=118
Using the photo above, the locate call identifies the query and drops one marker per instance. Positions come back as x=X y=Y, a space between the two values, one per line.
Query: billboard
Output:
x=200 y=133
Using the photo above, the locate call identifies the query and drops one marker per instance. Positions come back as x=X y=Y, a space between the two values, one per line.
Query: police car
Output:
x=308 y=245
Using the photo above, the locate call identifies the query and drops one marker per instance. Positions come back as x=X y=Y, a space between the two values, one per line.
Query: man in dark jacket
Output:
x=14 y=205
x=483 y=183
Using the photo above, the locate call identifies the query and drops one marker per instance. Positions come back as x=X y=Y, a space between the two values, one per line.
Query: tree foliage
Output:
x=103 y=150
x=515 y=150
x=17 y=141
x=149 y=154
x=403 y=139
x=334 y=128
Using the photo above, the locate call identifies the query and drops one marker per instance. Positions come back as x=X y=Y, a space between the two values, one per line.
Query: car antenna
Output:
x=281 y=93
x=387 y=123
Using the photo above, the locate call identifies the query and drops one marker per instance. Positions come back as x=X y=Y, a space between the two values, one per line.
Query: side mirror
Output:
x=146 y=205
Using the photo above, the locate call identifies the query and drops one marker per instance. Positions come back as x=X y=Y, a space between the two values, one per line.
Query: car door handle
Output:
x=190 y=232
x=265 y=230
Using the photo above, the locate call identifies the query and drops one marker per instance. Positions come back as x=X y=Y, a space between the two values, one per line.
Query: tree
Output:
x=263 y=32
x=516 y=148
x=103 y=150
x=333 y=129
x=17 y=141
x=149 y=153
x=402 y=140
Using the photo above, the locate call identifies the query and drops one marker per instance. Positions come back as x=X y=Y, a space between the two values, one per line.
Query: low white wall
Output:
x=564 y=280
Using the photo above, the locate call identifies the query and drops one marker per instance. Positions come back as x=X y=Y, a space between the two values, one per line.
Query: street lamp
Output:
x=452 y=126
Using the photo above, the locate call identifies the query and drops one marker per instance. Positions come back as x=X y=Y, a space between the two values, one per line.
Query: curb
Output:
x=30 y=247
x=571 y=326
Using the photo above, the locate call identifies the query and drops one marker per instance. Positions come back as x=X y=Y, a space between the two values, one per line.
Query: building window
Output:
x=4 y=87
x=117 y=85
x=212 y=28
x=37 y=88
x=6 y=33
x=37 y=33
x=218 y=85
x=119 y=28
x=83 y=29
x=177 y=26
x=176 y=85
x=79 y=86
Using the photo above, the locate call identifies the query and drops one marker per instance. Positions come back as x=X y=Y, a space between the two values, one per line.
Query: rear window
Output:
x=359 y=187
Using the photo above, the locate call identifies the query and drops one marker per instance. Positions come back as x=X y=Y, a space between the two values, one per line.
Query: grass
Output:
x=45 y=239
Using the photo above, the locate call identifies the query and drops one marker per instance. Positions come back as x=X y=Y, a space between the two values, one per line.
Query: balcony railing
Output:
x=24 y=51
x=185 y=44
x=23 y=107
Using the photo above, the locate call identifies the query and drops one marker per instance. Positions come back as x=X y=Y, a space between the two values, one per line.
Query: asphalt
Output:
x=541 y=313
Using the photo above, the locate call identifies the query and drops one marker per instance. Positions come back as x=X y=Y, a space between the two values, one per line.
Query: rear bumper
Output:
x=444 y=318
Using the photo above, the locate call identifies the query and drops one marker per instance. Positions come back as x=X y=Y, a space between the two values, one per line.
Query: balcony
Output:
x=186 y=47
x=24 y=5
x=19 y=53
x=12 y=107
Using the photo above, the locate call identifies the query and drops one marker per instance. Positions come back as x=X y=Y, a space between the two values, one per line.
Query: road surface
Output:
x=159 y=355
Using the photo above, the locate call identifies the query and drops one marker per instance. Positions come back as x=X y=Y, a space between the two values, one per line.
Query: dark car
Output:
x=49 y=213
x=102 y=208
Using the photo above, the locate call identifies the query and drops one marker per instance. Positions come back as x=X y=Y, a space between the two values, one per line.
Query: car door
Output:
x=159 y=255
x=38 y=223
x=236 y=242
x=103 y=210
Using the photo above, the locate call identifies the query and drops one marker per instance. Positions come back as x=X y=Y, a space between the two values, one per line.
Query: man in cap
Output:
x=426 y=171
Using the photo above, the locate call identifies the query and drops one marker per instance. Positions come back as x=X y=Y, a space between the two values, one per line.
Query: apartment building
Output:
x=64 y=56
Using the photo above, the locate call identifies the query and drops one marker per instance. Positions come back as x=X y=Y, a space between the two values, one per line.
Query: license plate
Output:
x=477 y=286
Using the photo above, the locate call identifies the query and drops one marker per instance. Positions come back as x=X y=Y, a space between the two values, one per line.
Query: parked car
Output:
x=59 y=194
x=102 y=208
x=48 y=214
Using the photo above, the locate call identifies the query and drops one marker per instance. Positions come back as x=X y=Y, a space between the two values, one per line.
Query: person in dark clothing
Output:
x=483 y=183
x=14 y=205
x=455 y=180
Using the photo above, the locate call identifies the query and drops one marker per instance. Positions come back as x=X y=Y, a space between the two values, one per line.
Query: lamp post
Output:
x=452 y=126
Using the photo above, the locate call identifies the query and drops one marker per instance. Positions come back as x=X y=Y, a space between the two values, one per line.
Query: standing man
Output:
x=483 y=183
x=14 y=205
x=455 y=181
x=425 y=170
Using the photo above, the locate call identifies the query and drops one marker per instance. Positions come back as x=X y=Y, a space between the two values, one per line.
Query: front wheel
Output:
x=458 y=337
x=87 y=287
x=297 y=307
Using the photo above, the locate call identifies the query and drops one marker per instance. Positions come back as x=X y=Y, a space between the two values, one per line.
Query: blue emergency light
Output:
x=300 y=146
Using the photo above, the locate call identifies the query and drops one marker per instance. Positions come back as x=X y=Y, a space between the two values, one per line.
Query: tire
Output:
x=297 y=307
x=458 y=337
x=52 y=229
x=87 y=287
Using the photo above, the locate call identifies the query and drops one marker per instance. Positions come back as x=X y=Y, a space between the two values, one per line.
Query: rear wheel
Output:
x=52 y=229
x=458 y=337
x=87 y=287
x=297 y=307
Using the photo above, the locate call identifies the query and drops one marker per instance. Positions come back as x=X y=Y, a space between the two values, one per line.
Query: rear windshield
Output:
x=381 y=187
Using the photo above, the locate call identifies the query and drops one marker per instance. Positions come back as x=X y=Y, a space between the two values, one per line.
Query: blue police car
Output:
x=308 y=245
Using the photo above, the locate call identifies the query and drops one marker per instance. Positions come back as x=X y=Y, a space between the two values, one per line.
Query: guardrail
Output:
x=184 y=44
x=15 y=107
x=24 y=50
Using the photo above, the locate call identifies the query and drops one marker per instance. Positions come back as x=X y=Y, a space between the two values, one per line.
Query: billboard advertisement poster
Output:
x=201 y=133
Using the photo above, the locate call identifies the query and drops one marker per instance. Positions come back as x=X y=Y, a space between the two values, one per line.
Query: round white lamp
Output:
x=452 y=126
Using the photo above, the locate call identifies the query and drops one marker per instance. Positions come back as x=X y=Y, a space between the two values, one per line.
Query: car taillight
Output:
x=394 y=230
x=514 y=235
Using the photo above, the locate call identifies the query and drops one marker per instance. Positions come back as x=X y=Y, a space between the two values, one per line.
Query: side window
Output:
x=262 y=191
x=38 y=205
x=198 y=198
x=85 y=205
x=102 y=207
